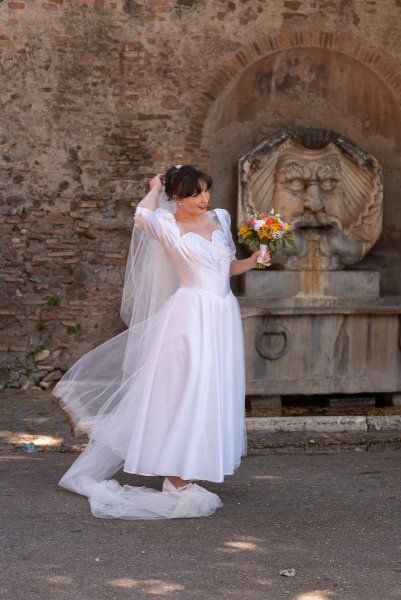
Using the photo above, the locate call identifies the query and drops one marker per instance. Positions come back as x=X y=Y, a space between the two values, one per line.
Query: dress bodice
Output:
x=199 y=262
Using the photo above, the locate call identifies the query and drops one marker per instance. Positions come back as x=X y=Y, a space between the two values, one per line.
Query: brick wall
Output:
x=97 y=96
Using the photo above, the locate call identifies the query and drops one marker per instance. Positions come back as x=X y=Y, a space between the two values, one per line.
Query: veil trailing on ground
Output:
x=102 y=392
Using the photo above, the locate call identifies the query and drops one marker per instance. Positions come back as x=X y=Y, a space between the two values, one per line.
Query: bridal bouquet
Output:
x=266 y=231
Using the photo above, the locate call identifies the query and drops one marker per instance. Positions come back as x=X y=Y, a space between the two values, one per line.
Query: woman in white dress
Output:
x=166 y=397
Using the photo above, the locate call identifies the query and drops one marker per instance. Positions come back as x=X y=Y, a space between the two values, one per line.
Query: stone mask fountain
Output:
x=317 y=322
x=331 y=192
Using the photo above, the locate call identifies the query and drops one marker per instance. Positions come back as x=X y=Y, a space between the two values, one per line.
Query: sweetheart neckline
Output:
x=201 y=236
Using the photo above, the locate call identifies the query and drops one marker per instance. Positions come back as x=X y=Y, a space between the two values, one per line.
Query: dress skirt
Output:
x=177 y=405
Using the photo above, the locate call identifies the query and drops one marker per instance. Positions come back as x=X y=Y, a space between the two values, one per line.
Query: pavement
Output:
x=334 y=518
x=35 y=416
x=329 y=518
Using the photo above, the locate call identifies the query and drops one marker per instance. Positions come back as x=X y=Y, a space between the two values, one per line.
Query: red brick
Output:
x=16 y=5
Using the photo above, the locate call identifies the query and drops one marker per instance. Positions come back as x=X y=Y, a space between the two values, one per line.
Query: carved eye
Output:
x=328 y=184
x=295 y=185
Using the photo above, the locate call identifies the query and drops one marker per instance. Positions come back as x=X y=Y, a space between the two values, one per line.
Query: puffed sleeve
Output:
x=225 y=219
x=157 y=224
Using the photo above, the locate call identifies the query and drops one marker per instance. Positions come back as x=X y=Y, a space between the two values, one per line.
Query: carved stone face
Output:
x=333 y=201
x=309 y=186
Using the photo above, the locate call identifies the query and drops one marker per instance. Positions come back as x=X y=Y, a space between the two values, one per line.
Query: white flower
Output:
x=258 y=224
x=277 y=235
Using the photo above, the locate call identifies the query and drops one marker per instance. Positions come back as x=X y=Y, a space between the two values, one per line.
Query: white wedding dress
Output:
x=166 y=397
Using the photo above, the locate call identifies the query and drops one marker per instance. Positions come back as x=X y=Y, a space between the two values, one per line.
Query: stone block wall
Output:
x=98 y=95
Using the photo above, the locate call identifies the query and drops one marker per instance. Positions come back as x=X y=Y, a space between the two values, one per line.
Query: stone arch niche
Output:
x=357 y=96
x=227 y=72
x=342 y=338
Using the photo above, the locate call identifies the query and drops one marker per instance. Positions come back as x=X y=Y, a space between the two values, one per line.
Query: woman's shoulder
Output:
x=165 y=214
x=221 y=211
x=223 y=215
x=159 y=213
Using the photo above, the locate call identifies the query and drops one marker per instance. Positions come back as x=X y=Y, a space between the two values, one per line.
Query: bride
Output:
x=166 y=397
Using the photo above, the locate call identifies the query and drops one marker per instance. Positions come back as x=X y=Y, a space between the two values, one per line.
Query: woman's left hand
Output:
x=265 y=259
x=156 y=182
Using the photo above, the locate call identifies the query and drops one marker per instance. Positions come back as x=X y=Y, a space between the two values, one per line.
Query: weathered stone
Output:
x=4 y=374
x=324 y=424
x=384 y=423
x=331 y=284
x=41 y=355
x=53 y=376
x=44 y=385
x=311 y=350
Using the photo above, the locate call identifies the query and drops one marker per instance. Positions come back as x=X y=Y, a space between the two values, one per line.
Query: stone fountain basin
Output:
x=312 y=345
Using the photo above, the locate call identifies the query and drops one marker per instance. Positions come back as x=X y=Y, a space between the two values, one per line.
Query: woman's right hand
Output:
x=265 y=258
x=156 y=182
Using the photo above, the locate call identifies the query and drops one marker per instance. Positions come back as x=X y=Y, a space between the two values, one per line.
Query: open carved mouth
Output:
x=312 y=221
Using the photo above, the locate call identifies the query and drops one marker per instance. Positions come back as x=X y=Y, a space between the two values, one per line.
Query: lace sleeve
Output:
x=157 y=224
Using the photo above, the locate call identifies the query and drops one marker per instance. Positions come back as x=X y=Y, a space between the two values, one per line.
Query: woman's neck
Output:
x=184 y=217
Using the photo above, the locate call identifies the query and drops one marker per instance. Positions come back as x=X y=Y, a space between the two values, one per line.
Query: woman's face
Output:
x=196 y=204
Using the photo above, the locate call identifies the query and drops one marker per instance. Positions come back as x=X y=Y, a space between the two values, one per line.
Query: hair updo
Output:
x=185 y=181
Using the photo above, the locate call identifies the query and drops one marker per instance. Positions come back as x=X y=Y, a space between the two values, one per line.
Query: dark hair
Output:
x=185 y=181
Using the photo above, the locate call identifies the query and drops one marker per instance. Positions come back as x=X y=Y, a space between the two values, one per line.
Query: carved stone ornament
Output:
x=272 y=341
x=327 y=187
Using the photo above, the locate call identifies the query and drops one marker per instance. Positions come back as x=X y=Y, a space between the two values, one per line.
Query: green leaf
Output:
x=53 y=301
x=40 y=325
x=35 y=351
x=76 y=329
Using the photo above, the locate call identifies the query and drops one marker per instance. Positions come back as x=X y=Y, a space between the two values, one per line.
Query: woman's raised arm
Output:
x=150 y=200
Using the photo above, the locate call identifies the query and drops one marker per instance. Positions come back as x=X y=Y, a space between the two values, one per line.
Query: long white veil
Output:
x=150 y=278
x=102 y=391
